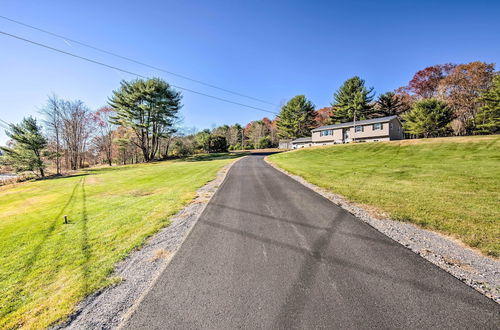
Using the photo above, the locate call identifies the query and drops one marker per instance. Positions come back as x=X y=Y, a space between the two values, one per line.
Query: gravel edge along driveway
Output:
x=476 y=270
x=140 y=270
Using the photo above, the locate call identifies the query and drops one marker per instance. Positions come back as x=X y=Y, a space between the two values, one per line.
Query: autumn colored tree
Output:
x=462 y=89
x=405 y=98
x=488 y=117
x=428 y=118
x=103 y=140
x=272 y=127
x=296 y=118
x=322 y=116
x=256 y=131
x=425 y=83
x=353 y=98
x=235 y=136
x=124 y=149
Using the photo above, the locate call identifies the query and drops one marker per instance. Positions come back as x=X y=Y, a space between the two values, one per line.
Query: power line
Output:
x=135 y=61
x=131 y=73
x=3 y=122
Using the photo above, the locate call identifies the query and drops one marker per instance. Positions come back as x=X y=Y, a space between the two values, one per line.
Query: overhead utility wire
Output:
x=131 y=73
x=6 y=123
x=135 y=61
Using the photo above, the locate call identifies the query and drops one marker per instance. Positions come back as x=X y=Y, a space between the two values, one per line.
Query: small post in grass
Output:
x=66 y=219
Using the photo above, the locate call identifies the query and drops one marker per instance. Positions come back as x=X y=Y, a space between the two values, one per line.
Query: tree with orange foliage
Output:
x=462 y=89
x=103 y=141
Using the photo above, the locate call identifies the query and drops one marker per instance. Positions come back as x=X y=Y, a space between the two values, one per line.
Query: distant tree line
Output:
x=141 y=122
x=137 y=125
x=440 y=100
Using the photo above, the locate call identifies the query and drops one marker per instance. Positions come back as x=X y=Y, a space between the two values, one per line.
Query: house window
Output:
x=377 y=126
x=326 y=132
x=359 y=129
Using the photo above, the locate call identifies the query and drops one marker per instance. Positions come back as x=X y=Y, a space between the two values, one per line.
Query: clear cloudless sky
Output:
x=271 y=50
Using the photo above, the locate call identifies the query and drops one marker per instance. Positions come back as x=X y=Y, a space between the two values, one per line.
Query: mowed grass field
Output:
x=451 y=185
x=46 y=267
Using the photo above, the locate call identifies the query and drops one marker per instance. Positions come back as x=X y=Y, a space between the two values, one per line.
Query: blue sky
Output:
x=271 y=50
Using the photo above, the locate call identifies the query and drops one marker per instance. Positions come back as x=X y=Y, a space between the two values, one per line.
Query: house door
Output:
x=345 y=133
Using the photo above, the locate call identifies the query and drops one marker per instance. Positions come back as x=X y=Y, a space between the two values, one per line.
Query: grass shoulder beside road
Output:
x=47 y=267
x=448 y=184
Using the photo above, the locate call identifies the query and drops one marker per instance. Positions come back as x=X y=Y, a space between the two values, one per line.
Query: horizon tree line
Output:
x=141 y=122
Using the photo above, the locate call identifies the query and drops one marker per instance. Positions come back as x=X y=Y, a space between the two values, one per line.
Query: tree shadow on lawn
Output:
x=85 y=246
x=21 y=293
x=213 y=156
x=49 y=231
x=62 y=177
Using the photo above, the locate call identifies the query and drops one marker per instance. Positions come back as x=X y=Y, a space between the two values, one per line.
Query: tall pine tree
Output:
x=389 y=104
x=149 y=108
x=296 y=118
x=488 y=117
x=352 y=98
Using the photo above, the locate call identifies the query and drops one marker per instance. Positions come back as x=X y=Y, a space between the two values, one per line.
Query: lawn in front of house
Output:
x=451 y=185
x=47 y=267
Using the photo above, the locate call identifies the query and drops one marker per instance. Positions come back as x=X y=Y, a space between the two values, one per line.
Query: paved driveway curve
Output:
x=268 y=253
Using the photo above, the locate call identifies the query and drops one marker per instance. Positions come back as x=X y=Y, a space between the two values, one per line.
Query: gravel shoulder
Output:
x=476 y=270
x=107 y=308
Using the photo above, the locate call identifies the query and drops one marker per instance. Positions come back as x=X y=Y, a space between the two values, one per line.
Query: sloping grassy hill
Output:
x=449 y=184
x=46 y=266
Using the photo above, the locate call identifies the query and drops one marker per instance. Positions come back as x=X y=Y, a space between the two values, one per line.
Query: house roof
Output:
x=302 y=140
x=358 y=122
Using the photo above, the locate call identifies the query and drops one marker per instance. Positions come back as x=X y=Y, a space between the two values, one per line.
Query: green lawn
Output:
x=46 y=267
x=451 y=185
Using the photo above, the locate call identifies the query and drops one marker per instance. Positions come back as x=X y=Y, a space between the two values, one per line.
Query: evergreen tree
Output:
x=218 y=143
x=428 y=118
x=203 y=139
x=28 y=144
x=352 y=98
x=149 y=108
x=488 y=117
x=388 y=104
x=296 y=118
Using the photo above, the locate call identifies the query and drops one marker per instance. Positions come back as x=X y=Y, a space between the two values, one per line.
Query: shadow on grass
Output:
x=23 y=293
x=214 y=156
x=57 y=177
x=85 y=246
x=36 y=251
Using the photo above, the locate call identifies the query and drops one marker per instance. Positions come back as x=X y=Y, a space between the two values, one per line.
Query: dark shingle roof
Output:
x=302 y=140
x=358 y=122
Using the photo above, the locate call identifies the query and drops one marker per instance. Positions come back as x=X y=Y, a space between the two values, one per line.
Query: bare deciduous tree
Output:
x=53 y=124
x=103 y=141
x=76 y=129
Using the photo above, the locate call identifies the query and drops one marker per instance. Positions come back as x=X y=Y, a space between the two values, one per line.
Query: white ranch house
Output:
x=370 y=130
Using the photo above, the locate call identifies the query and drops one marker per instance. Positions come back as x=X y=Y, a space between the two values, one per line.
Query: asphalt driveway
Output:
x=269 y=253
